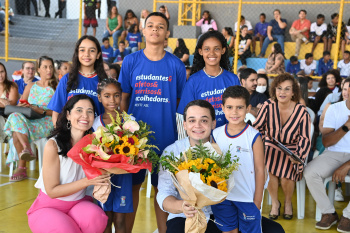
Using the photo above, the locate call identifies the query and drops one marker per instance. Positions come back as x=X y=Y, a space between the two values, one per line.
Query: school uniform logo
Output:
x=248 y=218
x=122 y=201
x=240 y=149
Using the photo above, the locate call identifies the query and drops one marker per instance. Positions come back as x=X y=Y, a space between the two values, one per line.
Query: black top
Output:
x=257 y=98
x=91 y=8
x=180 y=53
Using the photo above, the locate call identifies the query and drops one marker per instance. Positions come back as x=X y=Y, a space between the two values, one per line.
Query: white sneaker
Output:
x=338 y=196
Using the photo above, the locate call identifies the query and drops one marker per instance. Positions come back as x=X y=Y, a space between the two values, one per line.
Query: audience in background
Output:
x=275 y=31
x=164 y=10
x=318 y=33
x=228 y=34
x=260 y=32
x=182 y=52
x=245 y=40
x=293 y=66
x=300 y=31
x=63 y=67
x=308 y=65
x=344 y=65
x=89 y=14
x=166 y=46
x=206 y=22
x=114 y=26
x=28 y=76
x=129 y=19
x=263 y=84
x=120 y=53
x=107 y=50
x=143 y=16
x=275 y=61
x=244 y=22
x=325 y=63
x=114 y=70
x=332 y=29
x=134 y=39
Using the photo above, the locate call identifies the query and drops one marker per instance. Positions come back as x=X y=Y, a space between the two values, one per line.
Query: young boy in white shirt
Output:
x=344 y=65
x=242 y=205
x=308 y=65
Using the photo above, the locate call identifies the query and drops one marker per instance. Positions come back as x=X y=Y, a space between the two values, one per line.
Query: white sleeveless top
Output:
x=242 y=146
x=69 y=172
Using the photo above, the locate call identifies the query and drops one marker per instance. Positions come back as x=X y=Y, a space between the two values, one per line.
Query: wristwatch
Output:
x=345 y=128
x=44 y=112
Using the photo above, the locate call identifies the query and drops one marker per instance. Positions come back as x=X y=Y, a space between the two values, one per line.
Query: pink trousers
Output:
x=53 y=215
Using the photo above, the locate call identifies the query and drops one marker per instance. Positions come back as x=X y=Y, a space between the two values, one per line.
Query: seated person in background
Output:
x=206 y=22
x=107 y=50
x=198 y=114
x=248 y=78
x=293 y=66
x=308 y=65
x=164 y=10
x=275 y=61
x=334 y=161
x=310 y=84
x=245 y=40
x=129 y=19
x=28 y=72
x=245 y=23
x=120 y=53
x=260 y=32
x=325 y=63
x=134 y=39
x=275 y=31
x=166 y=47
x=182 y=52
x=332 y=33
x=318 y=32
x=344 y=65
x=114 y=70
x=300 y=31
x=63 y=67
x=228 y=34
x=263 y=84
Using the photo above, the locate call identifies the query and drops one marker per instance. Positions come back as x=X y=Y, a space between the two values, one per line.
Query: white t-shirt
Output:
x=344 y=68
x=247 y=23
x=307 y=68
x=69 y=172
x=336 y=116
x=242 y=146
x=318 y=29
x=348 y=28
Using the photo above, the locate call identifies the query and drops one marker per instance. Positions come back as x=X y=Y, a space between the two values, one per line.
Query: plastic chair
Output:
x=249 y=117
x=3 y=148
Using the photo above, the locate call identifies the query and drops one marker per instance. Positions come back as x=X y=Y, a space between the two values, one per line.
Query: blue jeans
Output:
x=132 y=50
x=267 y=41
x=115 y=36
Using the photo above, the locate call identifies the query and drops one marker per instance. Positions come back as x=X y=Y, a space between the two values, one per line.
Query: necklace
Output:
x=212 y=76
x=89 y=74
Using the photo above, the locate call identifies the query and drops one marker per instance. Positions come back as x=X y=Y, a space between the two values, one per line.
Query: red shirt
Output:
x=300 y=26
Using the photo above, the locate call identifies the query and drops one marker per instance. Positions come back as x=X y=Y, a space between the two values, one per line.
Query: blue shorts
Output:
x=233 y=214
x=120 y=199
x=139 y=178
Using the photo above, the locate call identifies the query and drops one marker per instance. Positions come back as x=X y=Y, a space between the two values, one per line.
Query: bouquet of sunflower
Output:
x=120 y=147
x=203 y=177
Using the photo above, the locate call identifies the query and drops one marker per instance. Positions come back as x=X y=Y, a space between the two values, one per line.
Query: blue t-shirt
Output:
x=324 y=67
x=261 y=28
x=154 y=87
x=106 y=53
x=133 y=39
x=293 y=69
x=119 y=56
x=200 y=86
x=21 y=84
x=86 y=86
x=276 y=30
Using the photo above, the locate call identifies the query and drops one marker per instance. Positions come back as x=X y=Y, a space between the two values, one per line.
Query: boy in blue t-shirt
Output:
x=120 y=53
x=134 y=39
x=260 y=32
x=325 y=63
x=152 y=81
x=242 y=205
x=293 y=66
x=107 y=50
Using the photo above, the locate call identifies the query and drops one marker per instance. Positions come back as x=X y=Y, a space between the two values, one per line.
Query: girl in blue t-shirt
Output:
x=119 y=201
x=86 y=71
x=210 y=74
x=134 y=39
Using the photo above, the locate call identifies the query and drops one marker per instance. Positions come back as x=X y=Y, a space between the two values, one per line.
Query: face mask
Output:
x=261 y=89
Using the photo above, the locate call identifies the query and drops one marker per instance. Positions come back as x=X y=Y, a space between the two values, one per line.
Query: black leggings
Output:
x=47 y=7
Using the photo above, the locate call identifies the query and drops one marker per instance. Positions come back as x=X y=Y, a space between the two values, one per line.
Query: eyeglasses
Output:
x=286 y=90
x=28 y=68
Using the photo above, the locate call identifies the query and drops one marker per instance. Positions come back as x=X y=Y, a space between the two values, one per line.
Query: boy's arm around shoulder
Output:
x=259 y=168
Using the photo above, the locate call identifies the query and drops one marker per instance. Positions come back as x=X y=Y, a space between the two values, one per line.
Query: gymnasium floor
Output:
x=16 y=198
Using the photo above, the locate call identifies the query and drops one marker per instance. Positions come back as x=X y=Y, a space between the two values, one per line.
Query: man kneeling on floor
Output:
x=335 y=162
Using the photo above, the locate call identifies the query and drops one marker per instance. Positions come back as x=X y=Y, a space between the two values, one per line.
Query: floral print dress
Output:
x=34 y=129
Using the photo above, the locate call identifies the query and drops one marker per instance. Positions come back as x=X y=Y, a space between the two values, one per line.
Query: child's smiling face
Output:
x=212 y=51
x=235 y=110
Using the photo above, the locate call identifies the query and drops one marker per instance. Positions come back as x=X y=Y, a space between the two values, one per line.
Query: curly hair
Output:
x=335 y=73
x=73 y=78
x=198 y=61
x=7 y=83
x=61 y=132
x=53 y=80
x=106 y=82
x=282 y=78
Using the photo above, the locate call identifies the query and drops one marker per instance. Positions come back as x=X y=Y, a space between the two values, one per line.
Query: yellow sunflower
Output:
x=127 y=149
x=109 y=144
x=123 y=140
x=116 y=150
x=136 y=140
x=214 y=180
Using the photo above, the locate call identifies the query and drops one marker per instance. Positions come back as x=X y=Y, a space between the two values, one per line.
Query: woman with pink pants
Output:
x=61 y=205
